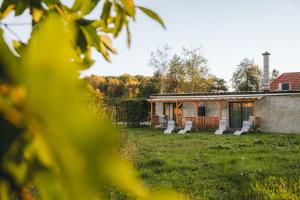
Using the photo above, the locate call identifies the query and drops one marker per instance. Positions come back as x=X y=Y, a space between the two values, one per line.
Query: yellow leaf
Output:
x=108 y=43
x=129 y=7
x=37 y=14
x=7 y=11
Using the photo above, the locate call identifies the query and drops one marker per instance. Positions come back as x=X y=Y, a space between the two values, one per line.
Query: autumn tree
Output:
x=247 y=76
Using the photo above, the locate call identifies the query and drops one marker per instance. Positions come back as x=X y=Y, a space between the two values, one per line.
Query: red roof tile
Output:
x=292 y=77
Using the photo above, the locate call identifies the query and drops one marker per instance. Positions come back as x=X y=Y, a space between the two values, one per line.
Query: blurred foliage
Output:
x=90 y=33
x=51 y=145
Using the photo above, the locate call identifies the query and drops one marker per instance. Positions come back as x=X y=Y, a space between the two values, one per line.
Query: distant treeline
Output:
x=128 y=86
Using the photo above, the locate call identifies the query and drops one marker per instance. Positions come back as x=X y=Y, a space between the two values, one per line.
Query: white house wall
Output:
x=212 y=109
x=159 y=109
x=189 y=110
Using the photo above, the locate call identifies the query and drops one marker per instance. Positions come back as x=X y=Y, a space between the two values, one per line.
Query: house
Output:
x=273 y=110
x=286 y=82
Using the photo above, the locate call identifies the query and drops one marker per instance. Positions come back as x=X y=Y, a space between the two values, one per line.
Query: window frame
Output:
x=285 y=84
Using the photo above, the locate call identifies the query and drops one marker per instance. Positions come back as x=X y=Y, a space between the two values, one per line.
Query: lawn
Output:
x=205 y=166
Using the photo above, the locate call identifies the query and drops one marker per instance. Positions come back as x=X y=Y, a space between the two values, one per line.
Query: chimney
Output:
x=266 y=78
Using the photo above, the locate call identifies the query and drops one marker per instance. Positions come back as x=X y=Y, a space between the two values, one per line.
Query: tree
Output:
x=247 y=76
x=274 y=74
x=149 y=86
x=216 y=84
x=159 y=61
x=185 y=72
x=175 y=76
x=196 y=70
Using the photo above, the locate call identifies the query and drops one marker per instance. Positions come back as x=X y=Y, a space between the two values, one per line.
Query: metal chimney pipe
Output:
x=266 y=76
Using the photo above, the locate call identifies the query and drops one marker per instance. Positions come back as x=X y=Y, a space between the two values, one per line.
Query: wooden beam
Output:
x=254 y=113
x=176 y=113
x=197 y=105
x=221 y=109
x=151 y=115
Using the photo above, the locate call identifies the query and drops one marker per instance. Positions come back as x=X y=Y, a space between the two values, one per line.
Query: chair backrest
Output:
x=171 y=124
x=223 y=124
x=251 y=119
x=246 y=125
x=188 y=125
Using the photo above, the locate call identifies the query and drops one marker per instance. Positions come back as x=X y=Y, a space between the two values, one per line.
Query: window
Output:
x=285 y=86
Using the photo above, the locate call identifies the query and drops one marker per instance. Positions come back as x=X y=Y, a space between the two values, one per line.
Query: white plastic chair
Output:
x=170 y=127
x=246 y=127
x=187 y=127
x=222 y=127
x=251 y=120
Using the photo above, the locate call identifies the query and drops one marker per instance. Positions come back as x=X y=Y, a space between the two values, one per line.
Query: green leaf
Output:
x=119 y=20
x=6 y=4
x=128 y=34
x=91 y=36
x=21 y=7
x=84 y=6
x=152 y=15
x=106 y=11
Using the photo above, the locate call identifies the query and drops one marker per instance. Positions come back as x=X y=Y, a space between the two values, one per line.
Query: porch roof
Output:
x=224 y=96
x=207 y=98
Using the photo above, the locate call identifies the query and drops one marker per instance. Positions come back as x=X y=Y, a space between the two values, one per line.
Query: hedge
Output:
x=132 y=112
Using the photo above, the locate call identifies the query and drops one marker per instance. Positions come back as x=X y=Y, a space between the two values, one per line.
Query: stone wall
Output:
x=279 y=114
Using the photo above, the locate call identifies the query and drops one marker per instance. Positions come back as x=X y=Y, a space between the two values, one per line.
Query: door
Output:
x=235 y=117
x=239 y=112
x=169 y=111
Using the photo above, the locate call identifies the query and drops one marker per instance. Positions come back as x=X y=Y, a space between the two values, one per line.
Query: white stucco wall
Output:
x=189 y=109
x=159 y=109
x=225 y=110
x=279 y=114
x=212 y=109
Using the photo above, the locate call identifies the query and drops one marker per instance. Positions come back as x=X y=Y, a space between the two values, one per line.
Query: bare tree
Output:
x=159 y=61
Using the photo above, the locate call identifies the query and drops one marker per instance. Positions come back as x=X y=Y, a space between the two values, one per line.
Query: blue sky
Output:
x=227 y=31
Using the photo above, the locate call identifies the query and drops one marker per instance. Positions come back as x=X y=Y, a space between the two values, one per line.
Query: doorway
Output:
x=169 y=111
x=239 y=112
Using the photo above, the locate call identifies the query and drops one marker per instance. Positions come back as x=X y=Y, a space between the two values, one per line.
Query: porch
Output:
x=204 y=112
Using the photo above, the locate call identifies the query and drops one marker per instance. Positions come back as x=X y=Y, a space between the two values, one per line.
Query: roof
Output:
x=291 y=77
x=224 y=93
x=218 y=96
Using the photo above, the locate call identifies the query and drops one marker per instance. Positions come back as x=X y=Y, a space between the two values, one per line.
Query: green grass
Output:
x=205 y=166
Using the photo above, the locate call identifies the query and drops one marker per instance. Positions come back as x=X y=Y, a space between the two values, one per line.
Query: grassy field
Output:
x=205 y=166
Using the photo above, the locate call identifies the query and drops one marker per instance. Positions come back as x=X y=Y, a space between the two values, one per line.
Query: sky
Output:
x=227 y=31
